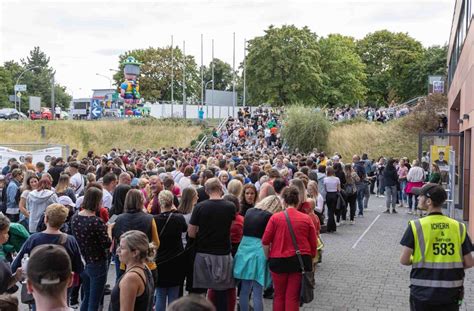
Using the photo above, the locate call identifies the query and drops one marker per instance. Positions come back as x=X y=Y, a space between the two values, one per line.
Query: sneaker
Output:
x=382 y=196
x=338 y=224
x=409 y=212
x=343 y=222
x=387 y=211
x=394 y=211
x=360 y=215
x=376 y=195
x=351 y=222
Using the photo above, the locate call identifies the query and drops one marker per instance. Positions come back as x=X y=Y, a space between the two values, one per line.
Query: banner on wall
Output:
x=440 y=156
x=41 y=155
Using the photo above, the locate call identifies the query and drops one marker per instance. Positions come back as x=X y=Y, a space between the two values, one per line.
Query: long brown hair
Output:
x=186 y=204
x=63 y=183
x=92 y=199
x=133 y=201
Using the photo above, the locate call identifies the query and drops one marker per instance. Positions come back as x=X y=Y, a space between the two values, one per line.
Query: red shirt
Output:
x=237 y=229
x=278 y=235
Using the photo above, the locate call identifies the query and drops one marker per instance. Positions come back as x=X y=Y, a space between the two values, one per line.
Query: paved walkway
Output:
x=366 y=276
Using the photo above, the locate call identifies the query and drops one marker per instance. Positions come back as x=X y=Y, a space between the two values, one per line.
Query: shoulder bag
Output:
x=307 y=285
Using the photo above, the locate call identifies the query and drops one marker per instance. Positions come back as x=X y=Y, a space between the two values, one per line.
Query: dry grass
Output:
x=375 y=139
x=101 y=136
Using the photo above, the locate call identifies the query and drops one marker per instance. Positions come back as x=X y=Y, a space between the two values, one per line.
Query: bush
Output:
x=425 y=116
x=305 y=128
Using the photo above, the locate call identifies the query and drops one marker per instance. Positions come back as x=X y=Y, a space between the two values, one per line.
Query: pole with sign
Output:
x=96 y=109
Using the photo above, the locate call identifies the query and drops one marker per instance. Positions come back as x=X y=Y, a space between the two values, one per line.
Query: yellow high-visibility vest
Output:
x=438 y=245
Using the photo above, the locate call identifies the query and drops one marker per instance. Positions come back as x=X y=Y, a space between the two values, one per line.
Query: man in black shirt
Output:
x=210 y=225
x=202 y=195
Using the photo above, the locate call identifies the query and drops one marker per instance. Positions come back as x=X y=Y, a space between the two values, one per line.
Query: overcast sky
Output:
x=85 y=38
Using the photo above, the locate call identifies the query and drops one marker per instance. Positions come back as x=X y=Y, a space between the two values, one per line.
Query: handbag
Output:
x=341 y=203
x=307 y=285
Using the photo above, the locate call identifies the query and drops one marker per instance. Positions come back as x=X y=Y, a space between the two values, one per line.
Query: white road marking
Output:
x=365 y=232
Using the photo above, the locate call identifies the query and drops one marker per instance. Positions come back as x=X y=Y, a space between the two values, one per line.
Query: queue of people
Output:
x=240 y=220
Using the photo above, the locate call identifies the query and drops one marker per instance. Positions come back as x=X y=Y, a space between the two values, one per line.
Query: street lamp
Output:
x=18 y=80
x=104 y=76
x=205 y=86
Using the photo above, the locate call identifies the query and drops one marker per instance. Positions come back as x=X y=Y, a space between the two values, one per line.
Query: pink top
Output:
x=402 y=172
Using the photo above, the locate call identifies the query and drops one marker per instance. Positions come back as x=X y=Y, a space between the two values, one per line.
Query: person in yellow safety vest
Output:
x=439 y=249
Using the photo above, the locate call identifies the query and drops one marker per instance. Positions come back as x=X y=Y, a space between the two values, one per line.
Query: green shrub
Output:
x=305 y=128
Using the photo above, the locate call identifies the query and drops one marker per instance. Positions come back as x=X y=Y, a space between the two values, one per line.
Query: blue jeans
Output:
x=161 y=293
x=360 y=198
x=402 y=196
x=93 y=278
x=256 y=289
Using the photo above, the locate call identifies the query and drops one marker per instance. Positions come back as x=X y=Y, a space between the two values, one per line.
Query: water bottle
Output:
x=24 y=264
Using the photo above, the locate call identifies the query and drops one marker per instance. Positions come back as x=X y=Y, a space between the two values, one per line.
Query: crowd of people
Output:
x=379 y=114
x=214 y=223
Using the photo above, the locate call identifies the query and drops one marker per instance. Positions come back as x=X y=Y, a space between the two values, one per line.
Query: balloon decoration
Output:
x=130 y=89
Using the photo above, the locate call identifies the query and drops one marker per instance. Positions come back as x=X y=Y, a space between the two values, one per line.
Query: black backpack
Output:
x=4 y=197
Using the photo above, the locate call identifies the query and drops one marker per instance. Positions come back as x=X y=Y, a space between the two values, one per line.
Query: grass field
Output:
x=101 y=136
x=392 y=139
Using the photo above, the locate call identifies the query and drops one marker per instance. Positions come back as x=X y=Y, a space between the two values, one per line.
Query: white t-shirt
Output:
x=77 y=182
x=331 y=183
x=106 y=199
x=319 y=204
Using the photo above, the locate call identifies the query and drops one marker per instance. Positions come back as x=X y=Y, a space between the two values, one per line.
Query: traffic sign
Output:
x=96 y=109
x=18 y=94
x=20 y=87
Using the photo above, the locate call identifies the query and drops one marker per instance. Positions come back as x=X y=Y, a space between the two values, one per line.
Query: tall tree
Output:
x=283 y=66
x=222 y=75
x=155 y=77
x=433 y=63
x=343 y=72
x=37 y=78
x=6 y=87
x=389 y=58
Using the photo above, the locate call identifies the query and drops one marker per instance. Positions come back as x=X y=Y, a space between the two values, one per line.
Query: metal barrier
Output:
x=203 y=141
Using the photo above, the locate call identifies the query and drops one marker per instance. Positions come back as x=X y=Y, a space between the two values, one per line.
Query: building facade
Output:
x=461 y=100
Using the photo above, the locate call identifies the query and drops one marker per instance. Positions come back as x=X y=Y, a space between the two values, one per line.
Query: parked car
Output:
x=45 y=114
x=9 y=114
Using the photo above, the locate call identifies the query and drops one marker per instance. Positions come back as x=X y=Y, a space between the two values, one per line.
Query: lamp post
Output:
x=104 y=76
x=18 y=80
x=205 y=88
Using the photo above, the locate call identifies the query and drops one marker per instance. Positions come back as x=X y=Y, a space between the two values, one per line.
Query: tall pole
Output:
x=245 y=55
x=172 y=77
x=184 y=79
x=52 y=97
x=18 y=80
x=212 y=74
x=202 y=72
x=233 y=79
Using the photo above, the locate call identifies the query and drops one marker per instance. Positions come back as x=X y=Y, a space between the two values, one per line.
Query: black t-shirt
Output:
x=202 y=195
x=432 y=294
x=255 y=222
x=171 y=242
x=214 y=218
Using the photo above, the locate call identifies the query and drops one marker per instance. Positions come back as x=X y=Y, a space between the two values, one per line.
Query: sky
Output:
x=85 y=38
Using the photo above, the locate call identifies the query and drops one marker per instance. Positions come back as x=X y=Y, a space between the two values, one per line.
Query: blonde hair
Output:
x=270 y=204
x=165 y=198
x=235 y=187
x=57 y=215
x=138 y=241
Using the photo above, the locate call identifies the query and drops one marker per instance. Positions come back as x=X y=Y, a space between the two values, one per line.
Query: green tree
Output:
x=155 y=76
x=433 y=63
x=6 y=87
x=305 y=128
x=389 y=58
x=283 y=66
x=37 y=79
x=222 y=75
x=343 y=72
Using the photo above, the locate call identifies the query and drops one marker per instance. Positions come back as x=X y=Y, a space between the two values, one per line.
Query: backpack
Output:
x=3 y=204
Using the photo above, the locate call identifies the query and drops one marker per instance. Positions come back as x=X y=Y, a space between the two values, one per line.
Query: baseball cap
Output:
x=194 y=177
x=66 y=201
x=432 y=191
x=49 y=264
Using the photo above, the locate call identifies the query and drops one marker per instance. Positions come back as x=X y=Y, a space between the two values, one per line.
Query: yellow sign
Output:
x=440 y=156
